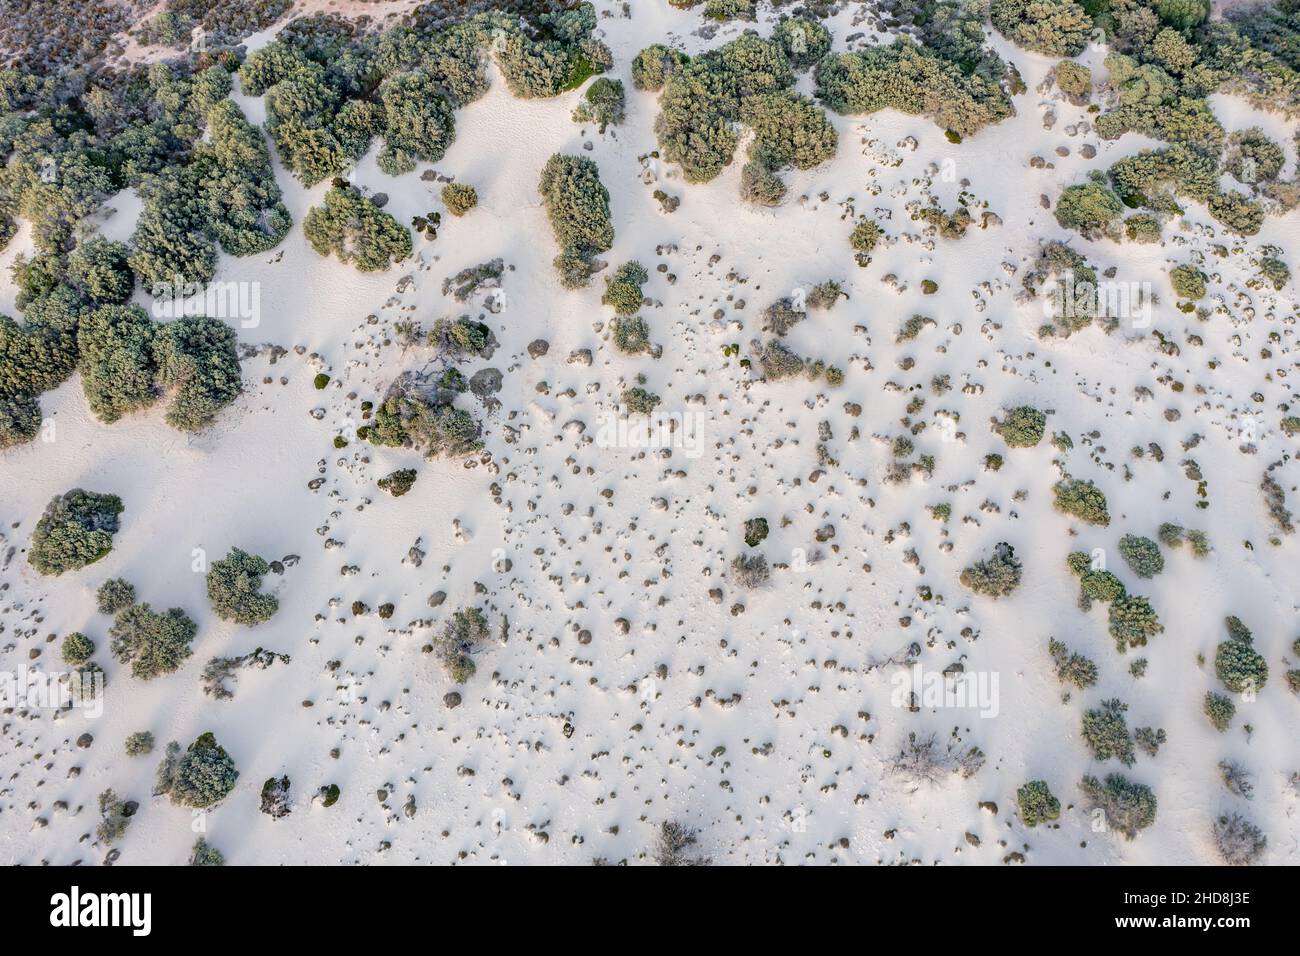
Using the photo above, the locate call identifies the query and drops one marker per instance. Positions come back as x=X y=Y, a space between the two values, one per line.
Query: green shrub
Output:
x=20 y=420
x=1125 y=806
x=578 y=206
x=77 y=649
x=139 y=744
x=755 y=531
x=205 y=854
x=1132 y=621
x=914 y=80
x=117 y=364
x=638 y=401
x=1089 y=208
x=114 y=595
x=1050 y=27
x=410 y=420
x=1022 y=427
x=653 y=65
x=1237 y=213
x=1082 y=499
x=153 y=644
x=1253 y=157
x=804 y=41
x=603 y=104
x=864 y=236
x=1036 y=803
x=1237 y=663
x=203 y=776
x=1072 y=668
x=1220 y=710
x=76 y=529
x=464 y=632
x=234 y=588
x=1142 y=228
x=998 y=576
x=1074 y=79
x=1106 y=733
x=355 y=230
x=1188 y=282
x=459 y=198
x=399 y=482
x=1142 y=555
x=631 y=335
x=198 y=362
x=623 y=288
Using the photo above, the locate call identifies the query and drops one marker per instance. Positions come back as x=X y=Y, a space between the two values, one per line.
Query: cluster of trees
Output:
x=1167 y=58
x=914 y=79
x=331 y=88
x=748 y=81
x=1050 y=27
x=205 y=177
x=577 y=204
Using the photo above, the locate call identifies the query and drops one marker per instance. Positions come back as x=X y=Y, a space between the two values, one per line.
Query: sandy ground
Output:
x=766 y=728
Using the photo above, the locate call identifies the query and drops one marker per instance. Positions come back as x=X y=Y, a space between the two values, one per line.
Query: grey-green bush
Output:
x=234 y=588
x=76 y=529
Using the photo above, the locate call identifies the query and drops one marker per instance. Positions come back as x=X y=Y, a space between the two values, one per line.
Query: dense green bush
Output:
x=1106 y=732
x=201 y=777
x=459 y=198
x=1237 y=663
x=355 y=230
x=996 y=577
x=578 y=206
x=114 y=595
x=1050 y=27
x=1188 y=281
x=1142 y=555
x=33 y=359
x=914 y=80
x=803 y=40
x=76 y=529
x=20 y=420
x=234 y=588
x=1126 y=806
x=1237 y=213
x=1132 y=621
x=1022 y=426
x=198 y=365
x=153 y=644
x=631 y=335
x=1253 y=157
x=623 y=288
x=1074 y=79
x=139 y=744
x=639 y=401
x=864 y=236
x=1220 y=710
x=1037 y=804
x=1082 y=499
x=118 y=371
x=1089 y=208
x=653 y=65
x=398 y=482
x=77 y=649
